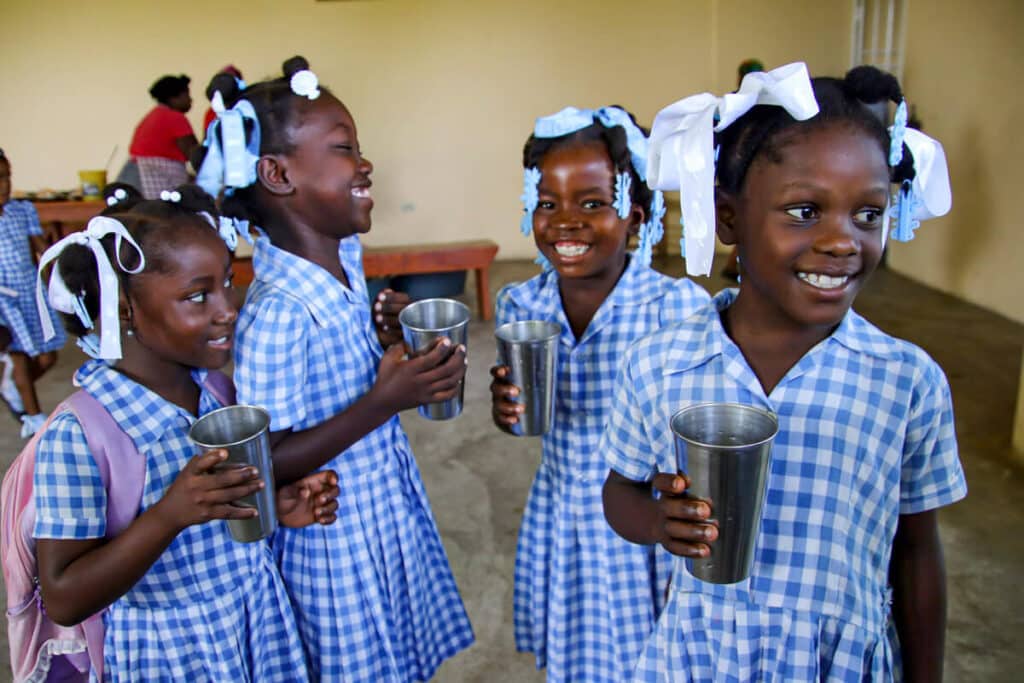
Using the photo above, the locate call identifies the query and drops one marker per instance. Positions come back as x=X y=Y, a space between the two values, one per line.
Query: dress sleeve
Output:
x=70 y=499
x=931 y=476
x=178 y=126
x=32 y=225
x=271 y=358
x=626 y=445
x=684 y=298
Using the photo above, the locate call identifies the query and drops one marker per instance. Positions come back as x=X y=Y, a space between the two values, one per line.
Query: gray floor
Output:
x=478 y=478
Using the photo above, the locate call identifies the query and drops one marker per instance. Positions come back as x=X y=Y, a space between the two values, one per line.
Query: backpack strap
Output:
x=221 y=386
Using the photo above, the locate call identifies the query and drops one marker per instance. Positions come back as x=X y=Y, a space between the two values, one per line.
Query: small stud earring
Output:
x=129 y=332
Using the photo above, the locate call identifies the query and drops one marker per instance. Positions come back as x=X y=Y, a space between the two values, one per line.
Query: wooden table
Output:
x=67 y=215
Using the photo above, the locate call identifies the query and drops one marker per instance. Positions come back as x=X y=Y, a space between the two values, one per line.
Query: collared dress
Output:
x=18 y=313
x=210 y=609
x=865 y=435
x=584 y=598
x=373 y=593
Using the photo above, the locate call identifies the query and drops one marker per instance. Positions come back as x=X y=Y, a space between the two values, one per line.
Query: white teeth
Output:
x=360 y=192
x=219 y=340
x=569 y=250
x=823 y=281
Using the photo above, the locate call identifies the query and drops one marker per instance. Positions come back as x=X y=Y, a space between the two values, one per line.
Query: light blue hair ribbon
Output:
x=230 y=161
x=899 y=131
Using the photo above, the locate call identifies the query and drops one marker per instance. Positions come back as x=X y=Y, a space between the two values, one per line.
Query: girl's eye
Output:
x=546 y=205
x=197 y=298
x=592 y=204
x=868 y=216
x=803 y=213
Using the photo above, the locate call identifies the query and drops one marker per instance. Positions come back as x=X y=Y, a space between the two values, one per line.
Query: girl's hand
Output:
x=205 y=489
x=386 y=308
x=504 y=410
x=683 y=527
x=408 y=382
x=310 y=500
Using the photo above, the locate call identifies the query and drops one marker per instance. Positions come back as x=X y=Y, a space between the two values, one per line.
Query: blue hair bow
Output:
x=230 y=162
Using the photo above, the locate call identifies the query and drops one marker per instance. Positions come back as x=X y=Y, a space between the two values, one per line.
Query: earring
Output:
x=129 y=332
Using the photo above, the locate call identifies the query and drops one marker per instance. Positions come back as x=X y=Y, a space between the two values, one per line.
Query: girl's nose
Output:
x=837 y=238
x=227 y=314
x=365 y=165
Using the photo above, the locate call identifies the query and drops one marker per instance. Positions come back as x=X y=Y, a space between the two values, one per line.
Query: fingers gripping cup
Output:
x=725 y=450
x=425 y=321
x=530 y=350
x=243 y=432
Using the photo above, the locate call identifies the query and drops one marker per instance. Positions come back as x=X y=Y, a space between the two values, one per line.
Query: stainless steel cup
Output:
x=530 y=350
x=423 y=322
x=725 y=449
x=243 y=432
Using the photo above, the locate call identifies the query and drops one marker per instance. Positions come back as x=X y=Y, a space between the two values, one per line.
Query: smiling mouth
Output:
x=571 y=249
x=822 y=281
x=361 y=192
x=220 y=341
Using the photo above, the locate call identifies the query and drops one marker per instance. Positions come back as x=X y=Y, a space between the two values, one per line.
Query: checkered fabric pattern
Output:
x=209 y=609
x=585 y=599
x=158 y=174
x=373 y=593
x=18 y=272
x=865 y=434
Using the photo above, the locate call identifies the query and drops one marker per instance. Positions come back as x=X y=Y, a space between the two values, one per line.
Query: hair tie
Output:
x=172 y=196
x=64 y=301
x=118 y=195
x=228 y=228
x=682 y=155
x=928 y=195
x=305 y=84
x=230 y=161
x=897 y=133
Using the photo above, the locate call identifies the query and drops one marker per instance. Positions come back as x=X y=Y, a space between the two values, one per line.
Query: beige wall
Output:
x=444 y=92
x=1018 y=422
x=963 y=72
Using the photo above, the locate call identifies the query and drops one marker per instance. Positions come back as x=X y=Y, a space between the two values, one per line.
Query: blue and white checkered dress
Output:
x=373 y=593
x=585 y=599
x=18 y=272
x=865 y=435
x=209 y=609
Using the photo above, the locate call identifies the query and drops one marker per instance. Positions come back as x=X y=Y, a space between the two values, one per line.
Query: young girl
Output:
x=29 y=355
x=585 y=600
x=374 y=595
x=183 y=600
x=866 y=449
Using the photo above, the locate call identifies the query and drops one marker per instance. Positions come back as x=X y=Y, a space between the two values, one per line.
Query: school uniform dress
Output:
x=585 y=599
x=18 y=311
x=865 y=435
x=373 y=593
x=210 y=608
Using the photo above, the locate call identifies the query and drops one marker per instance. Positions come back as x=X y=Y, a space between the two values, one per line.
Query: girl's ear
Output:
x=725 y=216
x=124 y=312
x=637 y=216
x=272 y=173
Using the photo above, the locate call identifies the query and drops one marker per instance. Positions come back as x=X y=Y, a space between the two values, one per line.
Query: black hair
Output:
x=129 y=197
x=614 y=140
x=766 y=129
x=228 y=87
x=157 y=226
x=168 y=87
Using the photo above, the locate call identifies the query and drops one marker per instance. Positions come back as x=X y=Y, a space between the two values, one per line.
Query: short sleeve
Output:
x=178 y=125
x=931 y=475
x=626 y=445
x=70 y=499
x=684 y=298
x=32 y=225
x=271 y=358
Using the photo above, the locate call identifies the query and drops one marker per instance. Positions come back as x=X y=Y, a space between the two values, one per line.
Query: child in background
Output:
x=585 y=600
x=866 y=450
x=183 y=600
x=373 y=594
x=28 y=356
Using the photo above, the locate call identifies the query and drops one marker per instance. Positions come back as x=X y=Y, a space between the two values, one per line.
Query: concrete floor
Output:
x=478 y=478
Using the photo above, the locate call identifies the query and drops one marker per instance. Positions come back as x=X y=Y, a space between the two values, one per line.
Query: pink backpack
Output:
x=40 y=649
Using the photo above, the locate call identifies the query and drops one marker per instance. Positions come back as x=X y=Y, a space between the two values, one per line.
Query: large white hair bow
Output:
x=66 y=301
x=230 y=161
x=681 y=152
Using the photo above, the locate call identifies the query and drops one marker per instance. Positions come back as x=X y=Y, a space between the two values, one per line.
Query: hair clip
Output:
x=899 y=131
x=530 y=198
x=652 y=230
x=170 y=196
x=305 y=84
x=621 y=203
x=118 y=195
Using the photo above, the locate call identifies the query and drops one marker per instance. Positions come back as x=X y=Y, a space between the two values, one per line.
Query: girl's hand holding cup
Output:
x=407 y=382
x=386 y=308
x=205 y=490
x=504 y=409
x=684 y=527
x=310 y=500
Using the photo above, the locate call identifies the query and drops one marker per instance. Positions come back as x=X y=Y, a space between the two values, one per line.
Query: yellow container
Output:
x=93 y=183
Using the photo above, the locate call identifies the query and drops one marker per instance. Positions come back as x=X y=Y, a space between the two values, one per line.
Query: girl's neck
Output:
x=582 y=297
x=313 y=247
x=171 y=381
x=770 y=342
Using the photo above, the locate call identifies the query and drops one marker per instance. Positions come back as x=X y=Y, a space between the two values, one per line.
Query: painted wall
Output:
x=962 y=71
x=444 y=92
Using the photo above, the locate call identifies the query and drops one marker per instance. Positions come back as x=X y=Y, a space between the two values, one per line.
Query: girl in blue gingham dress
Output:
x=848 y=549
x=184 y=601
x=374 y=596
x=585 y=599
x=30 y=354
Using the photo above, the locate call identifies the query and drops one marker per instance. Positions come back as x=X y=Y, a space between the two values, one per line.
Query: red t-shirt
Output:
x=208 y=118
x=156 y=133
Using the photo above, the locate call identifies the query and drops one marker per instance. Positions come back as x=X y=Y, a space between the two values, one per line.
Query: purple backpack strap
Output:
x=114 y=451
x=221 y=386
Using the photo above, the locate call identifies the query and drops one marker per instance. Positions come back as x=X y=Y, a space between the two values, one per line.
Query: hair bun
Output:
x=870 y=84
x=226 y=85
x=293 y=65
x=195 y=199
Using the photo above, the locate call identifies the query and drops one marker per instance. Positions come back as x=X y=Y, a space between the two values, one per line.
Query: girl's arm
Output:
x=78 y=578
x=401 y=384
x=917 y=573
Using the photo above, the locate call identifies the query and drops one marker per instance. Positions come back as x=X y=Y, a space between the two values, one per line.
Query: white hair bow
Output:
x=681 y=152
x=63 y=300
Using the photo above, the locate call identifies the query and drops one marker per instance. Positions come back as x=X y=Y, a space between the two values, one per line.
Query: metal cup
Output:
x=243 y=432
x=530 y=350
x=725 y=449
x=423 y=322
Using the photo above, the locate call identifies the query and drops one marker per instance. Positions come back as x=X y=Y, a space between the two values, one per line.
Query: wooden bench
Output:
x=419 y=259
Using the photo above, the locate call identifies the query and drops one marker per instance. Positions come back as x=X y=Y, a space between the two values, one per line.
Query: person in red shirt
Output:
x=163 y=140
